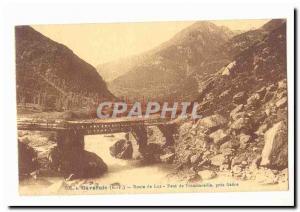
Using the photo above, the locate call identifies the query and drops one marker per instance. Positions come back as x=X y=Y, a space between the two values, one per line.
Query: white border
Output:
x=36 y=13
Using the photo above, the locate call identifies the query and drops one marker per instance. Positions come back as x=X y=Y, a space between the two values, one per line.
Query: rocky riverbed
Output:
x=133 y=171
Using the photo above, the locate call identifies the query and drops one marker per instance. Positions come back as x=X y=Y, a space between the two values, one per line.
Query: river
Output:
x=120 y=172
x=124 y=171
x=131 y=176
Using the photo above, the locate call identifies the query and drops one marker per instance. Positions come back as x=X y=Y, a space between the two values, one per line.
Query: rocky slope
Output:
x=245 y=40
x=51 y=76
x=244 y=124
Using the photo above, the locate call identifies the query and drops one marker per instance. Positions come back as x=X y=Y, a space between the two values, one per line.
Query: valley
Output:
x=239 y=81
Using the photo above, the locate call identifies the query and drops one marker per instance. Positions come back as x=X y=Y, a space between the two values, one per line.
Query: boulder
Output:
x=253 y=100
x=282 y=102
x=281 y=94
x=241 y=123
x=183 y=157
x=227 y=151
x=226 y=145
x=121 y=149
x=81 y=164
x=244 y=138
x=218 y=160
x=238 y=160
x=239 y=98
x=257 y=118
x=202 y=140
x=92 y=165
x=235 y=111
x=282 y=85
x=274 y=154
x=28 y=162
x=195 y=159
x=262 y=91
x=209 y=97
x=239 y=115
x=231 y=144
x=219 y=136
x=271 y=87
x=167 y=158
x=226 y=71
x=207 y=174
x=270 y=109
x=42 y=143
x=185 y=128
x=268 y=96
x=224 y=94
x=261 y=129
x=212 y=122
x=236 y=169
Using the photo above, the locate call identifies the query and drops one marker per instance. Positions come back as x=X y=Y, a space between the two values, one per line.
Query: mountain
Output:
x=166 y=71
x=112 y=70
x=180 y=67
x=244 y=109
x=50 y=76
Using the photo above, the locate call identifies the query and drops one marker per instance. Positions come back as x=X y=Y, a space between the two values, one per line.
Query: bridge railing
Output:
x=91 y=125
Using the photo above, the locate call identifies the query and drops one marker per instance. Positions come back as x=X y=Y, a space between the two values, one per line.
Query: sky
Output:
x=101 y=43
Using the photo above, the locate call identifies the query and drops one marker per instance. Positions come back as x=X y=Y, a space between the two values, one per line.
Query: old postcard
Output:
x=152 y=107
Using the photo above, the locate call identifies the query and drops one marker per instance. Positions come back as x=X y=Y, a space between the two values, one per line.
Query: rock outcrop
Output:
x=44 y=154
x=28 y=162
x=41 y=143
x=274 y=153
x=74 y=164
x=212 y=123
x=121 y=149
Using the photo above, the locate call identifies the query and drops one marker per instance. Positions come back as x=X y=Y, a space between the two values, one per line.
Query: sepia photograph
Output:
x=152 y=107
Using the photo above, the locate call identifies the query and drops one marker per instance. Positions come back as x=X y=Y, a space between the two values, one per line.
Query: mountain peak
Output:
x=206 y=25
